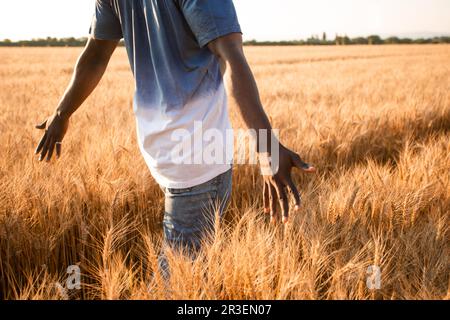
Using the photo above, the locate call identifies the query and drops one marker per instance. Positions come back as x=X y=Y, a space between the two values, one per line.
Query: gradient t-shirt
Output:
x=179 y=85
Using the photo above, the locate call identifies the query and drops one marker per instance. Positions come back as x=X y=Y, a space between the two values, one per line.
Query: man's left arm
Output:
x=229 y=49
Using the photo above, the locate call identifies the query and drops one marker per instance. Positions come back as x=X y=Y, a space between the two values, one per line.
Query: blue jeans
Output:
x=190 y=213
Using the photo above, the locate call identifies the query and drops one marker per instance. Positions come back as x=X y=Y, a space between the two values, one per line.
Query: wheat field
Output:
x=374 y=120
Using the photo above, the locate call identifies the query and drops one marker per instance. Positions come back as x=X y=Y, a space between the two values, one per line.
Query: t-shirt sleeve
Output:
x=105 y=23
x=210 y=19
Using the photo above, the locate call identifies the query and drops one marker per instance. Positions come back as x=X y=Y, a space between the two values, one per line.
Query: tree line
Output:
x=313 y=40
x=345 y=40
x=45 y=42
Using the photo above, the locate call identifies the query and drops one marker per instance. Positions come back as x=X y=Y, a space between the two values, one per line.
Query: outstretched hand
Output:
x=276 y=185
x=55 y=129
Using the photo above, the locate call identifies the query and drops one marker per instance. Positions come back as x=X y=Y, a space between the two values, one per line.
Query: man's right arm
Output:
x=89 y=69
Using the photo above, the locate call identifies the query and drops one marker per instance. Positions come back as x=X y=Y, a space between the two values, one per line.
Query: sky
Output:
x=260 y=19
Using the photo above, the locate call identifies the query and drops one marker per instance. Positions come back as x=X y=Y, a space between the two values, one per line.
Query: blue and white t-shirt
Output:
x=179 y=84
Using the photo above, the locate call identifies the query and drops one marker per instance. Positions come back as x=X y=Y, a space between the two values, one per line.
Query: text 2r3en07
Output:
x=246 y=309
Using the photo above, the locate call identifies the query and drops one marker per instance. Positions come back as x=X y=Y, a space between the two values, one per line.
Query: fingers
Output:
x=42 y=125
x=41 y=143
x=45 y=148
x=266 y=198
x=299 y=163
x=278 y=189
x=273 y=203
x=58 y=150
x=284 y=201
x=51 y=147
x=51 y=138
x=295 y=193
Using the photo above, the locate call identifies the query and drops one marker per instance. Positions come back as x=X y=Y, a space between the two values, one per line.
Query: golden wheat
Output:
x=374 y=120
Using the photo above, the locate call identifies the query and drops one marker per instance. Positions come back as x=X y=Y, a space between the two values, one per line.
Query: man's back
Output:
x=178 y=79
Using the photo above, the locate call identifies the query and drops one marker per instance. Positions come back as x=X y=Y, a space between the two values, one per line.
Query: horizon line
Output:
x=403 y=35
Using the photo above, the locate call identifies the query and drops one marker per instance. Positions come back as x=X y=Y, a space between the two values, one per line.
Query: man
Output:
x=178 y=51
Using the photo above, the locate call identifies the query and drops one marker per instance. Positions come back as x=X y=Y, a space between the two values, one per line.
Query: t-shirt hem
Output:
x=102 y=36
x=191 y=183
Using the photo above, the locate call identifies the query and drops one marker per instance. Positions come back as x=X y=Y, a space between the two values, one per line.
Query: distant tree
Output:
x=392 y=40
x=374 y=39
x=337 y=40
x=313 y=40
x=251 y=42
x=345 y=40
x=406 y=41
x=421 y=41
x=359 y=40
x=444 y=39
